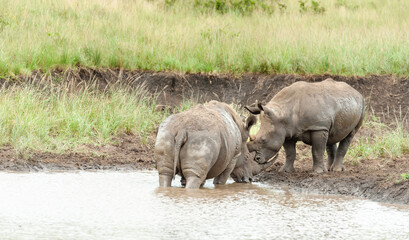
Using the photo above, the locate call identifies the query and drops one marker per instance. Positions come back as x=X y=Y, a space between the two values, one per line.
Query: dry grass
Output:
x=349 y=38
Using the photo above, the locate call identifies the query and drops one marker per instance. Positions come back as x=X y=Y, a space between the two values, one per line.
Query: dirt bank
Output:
x=377 y=179
x=386 y=96
x=127 y=152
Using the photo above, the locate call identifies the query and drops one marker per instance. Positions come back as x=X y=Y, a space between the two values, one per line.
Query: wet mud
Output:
x=377 y=179
x=127 y=152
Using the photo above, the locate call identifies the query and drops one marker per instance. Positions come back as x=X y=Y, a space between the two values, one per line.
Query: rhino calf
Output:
x=202 y=143
x=319 y=114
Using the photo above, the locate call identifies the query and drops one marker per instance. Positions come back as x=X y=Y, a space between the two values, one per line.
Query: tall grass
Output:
x=56 y=120
x=348 y=37
x=379 y=140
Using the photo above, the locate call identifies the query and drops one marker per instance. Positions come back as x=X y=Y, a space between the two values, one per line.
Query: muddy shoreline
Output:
x=375 y=179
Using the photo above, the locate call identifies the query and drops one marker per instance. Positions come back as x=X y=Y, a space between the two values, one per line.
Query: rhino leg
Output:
x=194 y=182
x=290 y=153
x=164 y=162
x=197 y=156
x=165 y=180
x=222 y=178
x=319 y=142
x=341 y=151
x=195 y=166
x=331 y=151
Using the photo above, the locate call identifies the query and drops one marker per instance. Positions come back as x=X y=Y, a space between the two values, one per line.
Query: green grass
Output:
x=57 y=120
x=378 y=140
x=405 y=176
x=346 y=37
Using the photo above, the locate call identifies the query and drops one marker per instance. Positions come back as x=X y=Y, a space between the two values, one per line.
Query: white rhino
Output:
x=320 y=114
x=205 y=142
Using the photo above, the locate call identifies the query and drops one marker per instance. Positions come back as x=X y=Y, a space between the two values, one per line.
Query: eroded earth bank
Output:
x=387 y=97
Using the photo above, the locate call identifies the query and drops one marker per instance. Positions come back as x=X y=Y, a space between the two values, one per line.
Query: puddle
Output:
x=129 y=205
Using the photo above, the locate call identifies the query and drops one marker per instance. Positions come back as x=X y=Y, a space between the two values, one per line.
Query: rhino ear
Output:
x=251 y=121
x=255 y=110
x=270 y=113
x=260 y=106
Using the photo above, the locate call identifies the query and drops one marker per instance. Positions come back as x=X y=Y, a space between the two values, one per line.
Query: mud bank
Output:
x=386 y=96
x=376 y=179
x=127 y=152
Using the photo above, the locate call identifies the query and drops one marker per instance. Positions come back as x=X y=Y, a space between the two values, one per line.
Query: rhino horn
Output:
x=257 y=168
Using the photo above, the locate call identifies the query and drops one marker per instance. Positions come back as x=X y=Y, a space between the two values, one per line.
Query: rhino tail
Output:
x=180 y=139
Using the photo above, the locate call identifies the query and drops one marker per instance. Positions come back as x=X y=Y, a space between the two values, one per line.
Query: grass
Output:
x=403 y=178
x=343 y=37
x=378 y=140
x=55 y=120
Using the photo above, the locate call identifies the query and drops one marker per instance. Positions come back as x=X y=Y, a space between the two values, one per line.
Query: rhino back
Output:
x=328 y=105
x=230 y=132
x=230 y=139
x=210 y=125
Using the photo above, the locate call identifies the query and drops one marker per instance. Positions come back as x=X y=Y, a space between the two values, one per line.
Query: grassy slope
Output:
x=358 y=38
x=56 y=120
x=36 y=34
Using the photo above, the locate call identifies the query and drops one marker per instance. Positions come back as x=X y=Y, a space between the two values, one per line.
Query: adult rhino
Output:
x=319 y=114
x=202 y=143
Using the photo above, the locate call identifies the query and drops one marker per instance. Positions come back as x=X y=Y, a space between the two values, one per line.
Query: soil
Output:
x=127 y=152
x=375 y=179
x=378 y=179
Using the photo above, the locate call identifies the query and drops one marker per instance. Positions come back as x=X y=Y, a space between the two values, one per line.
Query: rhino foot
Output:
x=319 y=169
x=287 y=168
x=245 y=180
x=337 y=168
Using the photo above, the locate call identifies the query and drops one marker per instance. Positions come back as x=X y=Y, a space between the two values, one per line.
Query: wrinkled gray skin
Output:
x=246 y=167
x=202 y=143
x=319 y=114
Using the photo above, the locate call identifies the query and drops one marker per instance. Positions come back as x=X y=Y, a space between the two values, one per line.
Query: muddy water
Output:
x=125 y=205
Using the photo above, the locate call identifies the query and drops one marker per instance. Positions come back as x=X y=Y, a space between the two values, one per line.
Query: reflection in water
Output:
x=215 y=192
x=126 y=205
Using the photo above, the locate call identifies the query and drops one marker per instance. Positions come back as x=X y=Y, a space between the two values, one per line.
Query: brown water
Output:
x=129 y=205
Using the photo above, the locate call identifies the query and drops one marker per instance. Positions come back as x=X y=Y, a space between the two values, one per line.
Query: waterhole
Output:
x=129 y=205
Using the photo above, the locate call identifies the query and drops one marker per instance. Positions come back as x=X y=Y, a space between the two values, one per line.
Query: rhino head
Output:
x=271 y=136
x=246 y=167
